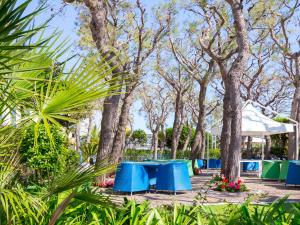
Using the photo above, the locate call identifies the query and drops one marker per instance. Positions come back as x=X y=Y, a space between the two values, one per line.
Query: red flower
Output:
x=239 y=181
x=223 y=186
x=102 y=184
x=237 y=187
x=225 y=180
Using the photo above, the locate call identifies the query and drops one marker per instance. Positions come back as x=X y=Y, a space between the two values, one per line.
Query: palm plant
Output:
x=39 y=88
x=89 y=148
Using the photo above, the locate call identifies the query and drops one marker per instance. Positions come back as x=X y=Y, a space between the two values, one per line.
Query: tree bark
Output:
x=155 y=144
x=177 y=124
x=234 y=75
x=226 y=132
x=295 y=114
x=268 y=147
x=203 y=145
x=99 y=29
x=188 y=139
x=198 y=140
x=249 y=147
x=120 y=135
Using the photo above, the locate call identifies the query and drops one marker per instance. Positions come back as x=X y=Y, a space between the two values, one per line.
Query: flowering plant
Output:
x=106 y=184
x=221 y=183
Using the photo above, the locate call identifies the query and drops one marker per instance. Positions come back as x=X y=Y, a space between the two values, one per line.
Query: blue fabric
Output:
x=250 y=166
x=293 y=176
x=131 y=177
x=173 y=176
x=151 y=169
x=214 y=163
x=200 y=163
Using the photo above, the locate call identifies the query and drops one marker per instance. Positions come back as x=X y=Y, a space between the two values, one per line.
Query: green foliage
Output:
x=281 y=119
x=43 y=157
x=139 y=137
x=214 y=153
x=142 y=154
x=132 y=212
x=279 y=151
x=280 y=141
x=183 y=137
x=90 y=148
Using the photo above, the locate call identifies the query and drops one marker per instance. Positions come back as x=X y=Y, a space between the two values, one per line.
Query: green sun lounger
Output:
x=284 y=169
x=271 y=169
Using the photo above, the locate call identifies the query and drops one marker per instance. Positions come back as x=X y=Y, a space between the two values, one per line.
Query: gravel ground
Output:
x=264 y=191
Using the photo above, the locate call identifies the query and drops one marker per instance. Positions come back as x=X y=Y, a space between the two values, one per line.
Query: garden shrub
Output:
x=139 y=137
x=183 y=137
x=214 y=153
x=44 y=158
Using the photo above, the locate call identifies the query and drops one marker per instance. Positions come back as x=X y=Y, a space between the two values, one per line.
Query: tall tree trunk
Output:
x=234 y=75
x=155 y=144
x=198 y=140
x=236 y=121
x=177 y=124
x=267 y=149
x=226 y=132
x=100 y=31
x=295 y=114
x=120 y=136
x=249 y=147
x=188 y=139
x=163 y=140
x=202 y=147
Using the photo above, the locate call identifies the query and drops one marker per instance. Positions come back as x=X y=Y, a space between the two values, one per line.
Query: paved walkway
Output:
x=263 y=191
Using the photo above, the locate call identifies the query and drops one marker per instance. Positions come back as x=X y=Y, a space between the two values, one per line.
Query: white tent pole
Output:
x=262 y=151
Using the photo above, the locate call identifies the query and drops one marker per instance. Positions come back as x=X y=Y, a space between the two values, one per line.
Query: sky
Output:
x=65 y=22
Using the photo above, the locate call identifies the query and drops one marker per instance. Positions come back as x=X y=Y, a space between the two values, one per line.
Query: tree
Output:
x=123 y=28
x=156 y=104
x=180 y=83
x=231 y=130
x=290 y=61
x=139 y=137
x=191 y=57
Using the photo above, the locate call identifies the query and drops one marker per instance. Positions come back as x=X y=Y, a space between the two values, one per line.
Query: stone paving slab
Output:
x=264 y=190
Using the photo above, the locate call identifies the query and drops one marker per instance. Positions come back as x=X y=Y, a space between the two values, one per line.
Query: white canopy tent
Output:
x=256 y=124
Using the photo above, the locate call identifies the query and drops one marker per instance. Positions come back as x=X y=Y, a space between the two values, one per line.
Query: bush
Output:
x=214 y=153
x=46 y=158
x=139 y=137
x=279 y=152
x=183 y=136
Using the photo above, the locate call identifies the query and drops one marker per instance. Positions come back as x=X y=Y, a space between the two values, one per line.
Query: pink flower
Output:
x=238 y=187
x=231 y=185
